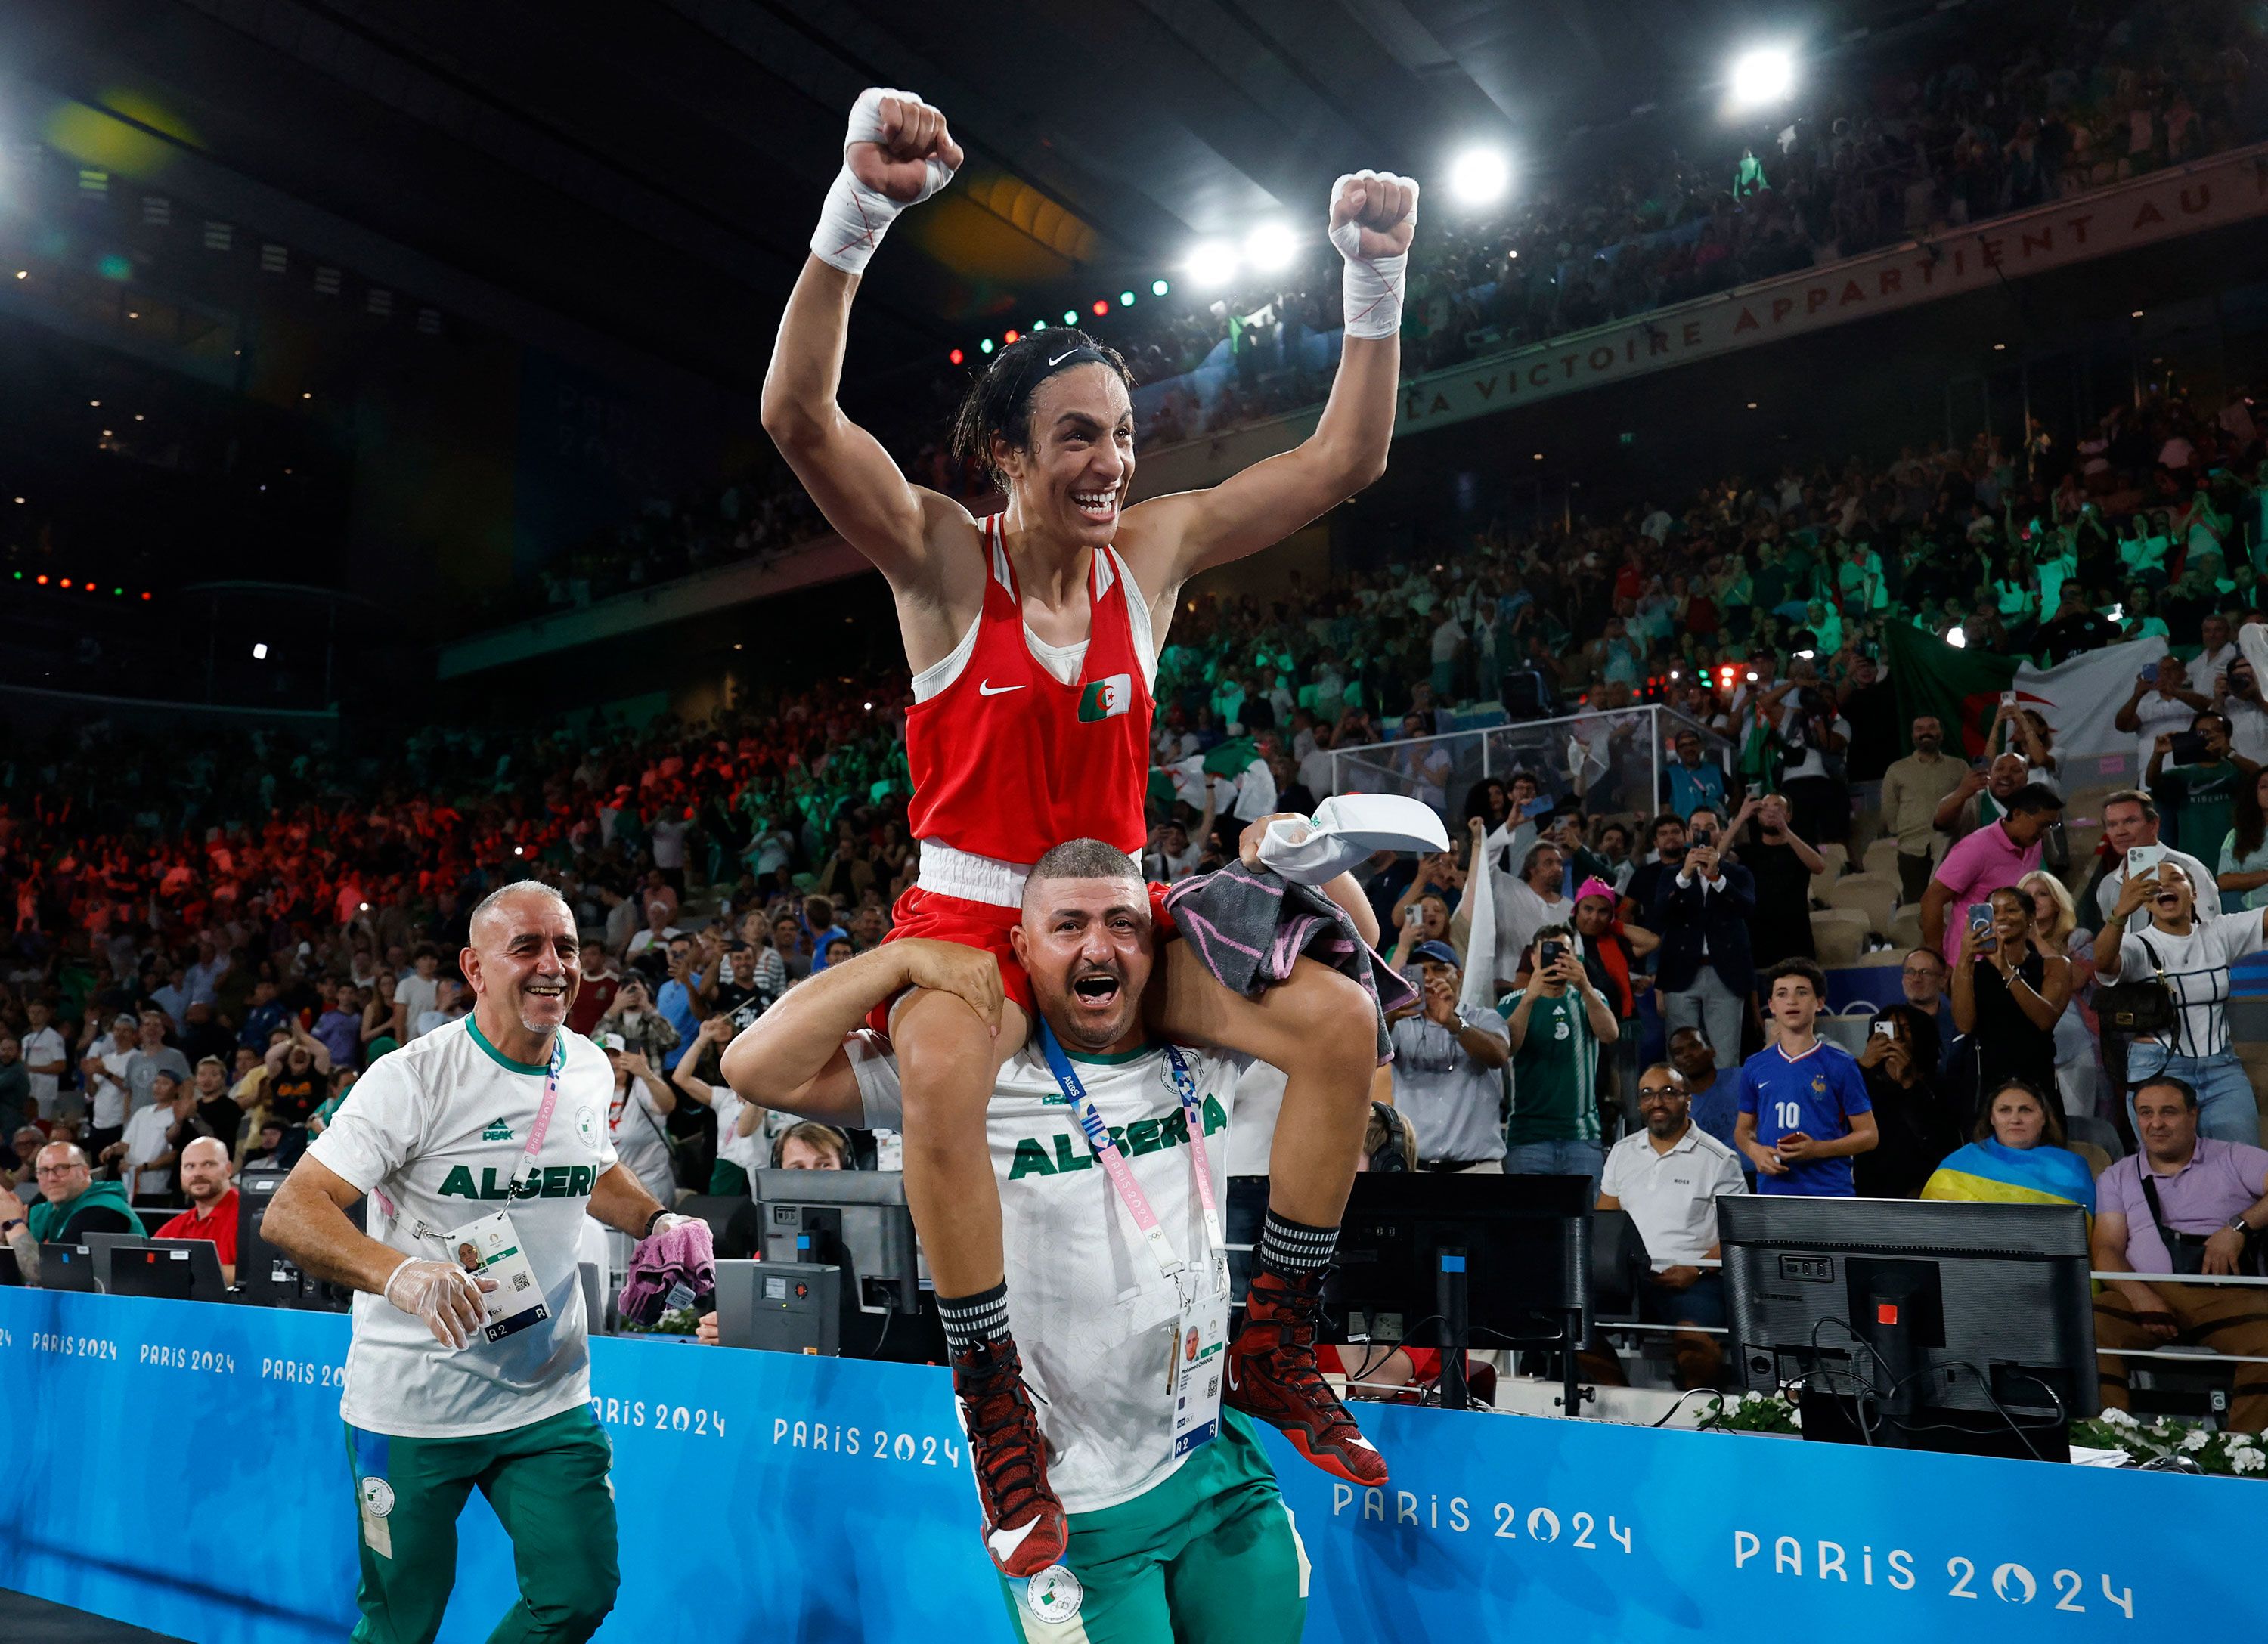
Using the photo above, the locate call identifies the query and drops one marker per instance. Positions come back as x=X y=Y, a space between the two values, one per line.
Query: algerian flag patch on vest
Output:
x=1106 y=699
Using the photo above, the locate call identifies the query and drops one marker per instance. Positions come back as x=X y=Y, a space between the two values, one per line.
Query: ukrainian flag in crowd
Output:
x=1991 y=1173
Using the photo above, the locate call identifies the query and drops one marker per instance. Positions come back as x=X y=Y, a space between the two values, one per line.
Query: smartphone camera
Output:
x=1550 y=953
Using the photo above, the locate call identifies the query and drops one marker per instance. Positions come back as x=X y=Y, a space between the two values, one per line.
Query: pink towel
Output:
x=677 y=1267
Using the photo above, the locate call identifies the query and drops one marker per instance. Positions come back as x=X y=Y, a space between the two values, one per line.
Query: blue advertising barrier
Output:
x=186 y=1471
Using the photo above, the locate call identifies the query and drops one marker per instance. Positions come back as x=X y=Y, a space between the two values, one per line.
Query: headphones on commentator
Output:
x=1393 y=1152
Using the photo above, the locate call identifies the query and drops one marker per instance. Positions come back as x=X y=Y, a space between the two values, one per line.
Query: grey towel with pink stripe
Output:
x=1248 y=924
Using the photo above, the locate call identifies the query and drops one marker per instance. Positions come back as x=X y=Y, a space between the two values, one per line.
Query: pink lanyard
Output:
x=1113 y=1162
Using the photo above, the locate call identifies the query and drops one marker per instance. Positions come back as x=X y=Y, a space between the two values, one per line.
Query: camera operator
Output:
x=1703 y=970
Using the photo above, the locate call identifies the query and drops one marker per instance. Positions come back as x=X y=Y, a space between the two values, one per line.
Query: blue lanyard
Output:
x=1114 y=1162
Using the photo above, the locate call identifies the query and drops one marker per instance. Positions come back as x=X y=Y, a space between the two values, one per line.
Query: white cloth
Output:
x=1672 y=1196
x=1094 y=1317
x=440 y=1125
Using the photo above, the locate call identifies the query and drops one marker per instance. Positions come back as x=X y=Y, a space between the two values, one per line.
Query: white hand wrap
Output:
x=1371 y=289
x=852 y=222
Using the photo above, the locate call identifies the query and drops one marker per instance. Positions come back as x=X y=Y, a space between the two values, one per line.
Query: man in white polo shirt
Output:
x=482 y=1147
x=1668 y=1177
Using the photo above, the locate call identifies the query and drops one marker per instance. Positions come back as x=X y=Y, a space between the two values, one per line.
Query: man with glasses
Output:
x=72 y=1204
x=1667 y=1176
x=1924 y=977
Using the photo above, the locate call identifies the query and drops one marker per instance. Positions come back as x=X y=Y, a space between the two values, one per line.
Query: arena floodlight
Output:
x=1212 y=263
x=1271 y=247
x=1479 y=177
x=1765 y=75
x=1158 y=288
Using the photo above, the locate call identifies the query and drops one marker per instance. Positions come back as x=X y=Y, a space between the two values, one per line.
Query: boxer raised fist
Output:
x=1383 y=210
x=890 y=152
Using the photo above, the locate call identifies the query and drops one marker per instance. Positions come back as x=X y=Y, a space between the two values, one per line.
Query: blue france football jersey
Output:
x=1814 y=1093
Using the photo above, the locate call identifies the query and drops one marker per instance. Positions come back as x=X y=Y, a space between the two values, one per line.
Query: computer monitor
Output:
x=266 y=1276
x=855 y=1220
x=1921 y=1323
x=183 y=1269
x=67 y=1267
x=1510 y=1254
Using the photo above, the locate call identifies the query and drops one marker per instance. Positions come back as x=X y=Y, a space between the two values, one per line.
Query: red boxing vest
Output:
x=1008 y=761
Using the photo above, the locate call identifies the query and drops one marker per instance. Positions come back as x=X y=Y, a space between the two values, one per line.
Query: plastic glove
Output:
x=443 y=1294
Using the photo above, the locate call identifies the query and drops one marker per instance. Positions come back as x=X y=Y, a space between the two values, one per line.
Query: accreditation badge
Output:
x=1200 y=1359
x=490 y=1249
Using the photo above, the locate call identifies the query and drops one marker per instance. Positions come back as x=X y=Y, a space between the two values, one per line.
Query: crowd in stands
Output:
x=2014 y=117
x=212 y=940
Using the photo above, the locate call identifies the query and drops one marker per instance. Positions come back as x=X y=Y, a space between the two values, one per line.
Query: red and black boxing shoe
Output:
x=1272 y=1376
x=1024 y=1527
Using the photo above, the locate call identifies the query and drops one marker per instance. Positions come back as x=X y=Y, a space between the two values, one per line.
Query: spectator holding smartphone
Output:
x=2196 y=778
x=2161 y=701
x=1983 y=796
x=1554 y=1031
x=1424 y=917
x=1782 y=866
x=2192 y=955
x=1918 y=1128
x=1448 y=1068
x=1704 y=968
x=1805 y=1112
x=2008 y=997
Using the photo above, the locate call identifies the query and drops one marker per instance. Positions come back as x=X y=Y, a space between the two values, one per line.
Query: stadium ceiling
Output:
x=652 y=171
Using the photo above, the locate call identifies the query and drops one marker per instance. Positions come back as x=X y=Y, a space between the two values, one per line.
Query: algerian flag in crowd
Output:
x=2078 y=699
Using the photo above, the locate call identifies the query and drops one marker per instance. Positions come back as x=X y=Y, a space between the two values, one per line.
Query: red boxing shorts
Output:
x=985 y=926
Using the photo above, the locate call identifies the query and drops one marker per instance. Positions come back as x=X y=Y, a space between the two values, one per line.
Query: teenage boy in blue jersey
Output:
x=1804 y=1111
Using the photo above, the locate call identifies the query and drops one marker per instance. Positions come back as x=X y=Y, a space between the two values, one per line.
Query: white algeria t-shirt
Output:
x=440 y=1124
x=1094 y=1317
